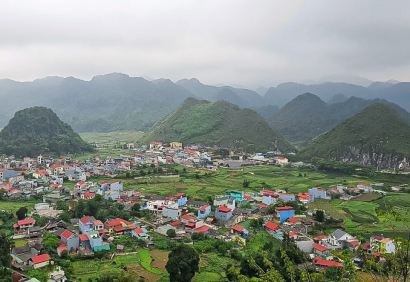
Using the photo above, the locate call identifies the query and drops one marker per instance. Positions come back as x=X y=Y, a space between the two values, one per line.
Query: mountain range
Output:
x=308 y=116
x=376 y=136
x=119 y=102
x=217 y=123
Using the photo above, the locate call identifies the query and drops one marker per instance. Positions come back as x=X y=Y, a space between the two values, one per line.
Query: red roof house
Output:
x=40 y=260
x=271 y=226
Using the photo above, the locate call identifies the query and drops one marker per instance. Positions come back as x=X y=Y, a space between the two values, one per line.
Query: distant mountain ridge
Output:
x=307 y=116
x=219 y=123
x=377 y=136
x=119 y=102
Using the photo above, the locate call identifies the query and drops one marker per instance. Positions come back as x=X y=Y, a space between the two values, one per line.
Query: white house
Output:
x=40 y=261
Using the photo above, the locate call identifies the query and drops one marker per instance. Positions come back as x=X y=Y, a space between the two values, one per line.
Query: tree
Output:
x=320 y=216
x=245 y=183
x=6 y=244
x=171 y=233
x=183 y=263
x=50 y=241
x=135 y=209
x=62 y=205
x=21 y=213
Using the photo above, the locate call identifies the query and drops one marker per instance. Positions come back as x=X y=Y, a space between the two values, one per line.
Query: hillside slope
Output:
x=38 y=130
x=307 y=116
x=376 y=136
x=220 y=123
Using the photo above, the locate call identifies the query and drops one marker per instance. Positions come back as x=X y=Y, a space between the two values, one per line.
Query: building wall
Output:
x=284 y=215
x=40 y=265
x=269 y=200
x=73 y=242
x=315 y=193
x=171 y=212
x=286 y=197
x=223 y=216
x=305 y=246
x=204 y=214
x=182 y=201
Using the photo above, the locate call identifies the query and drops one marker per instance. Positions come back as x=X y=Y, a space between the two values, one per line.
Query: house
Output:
x=387 y=246
x=231 y=203
x=318 y=193
x=220 y=201
x=293 y=221
x=223 y=214
x=287 y=197
x=204 y=211
x=238 y=195
x=22 y=255
x=305 y=198
x=269 y=197
x=321 y=250
x=172 y=211
x=338 y=237
x=40 y=261
x=366 y=188
x=282 y=161
x=70 y=240
x=155 y=145
x=94 y=239
x=239 y=229
x=119 y=226
x=25 y=224
x=176 y=145
x=87 y=195
x=202 y=229
x=283 y=213
x=84 y=240
x=140 y=233
x=271 y=227
x=181 y=199
x=303 y=242
x=321 y=263
x=86 y=224
x=197 y=204
x=5 y=173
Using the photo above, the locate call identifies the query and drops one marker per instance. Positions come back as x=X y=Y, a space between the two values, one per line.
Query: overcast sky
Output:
x=238 y=42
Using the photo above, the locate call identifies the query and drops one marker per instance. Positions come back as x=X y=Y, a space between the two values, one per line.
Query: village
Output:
x=177 y=217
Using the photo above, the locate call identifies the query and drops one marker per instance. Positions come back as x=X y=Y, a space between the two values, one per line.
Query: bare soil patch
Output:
x=149 y=277
x=160 y=259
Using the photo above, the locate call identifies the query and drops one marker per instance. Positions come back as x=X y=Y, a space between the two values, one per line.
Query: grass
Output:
x=108 y=141
x=368 y=197
x=20 y=242
x=128 y=259
x=261 y=238
x=212 y=267
x=11 y=206
x=145 y=261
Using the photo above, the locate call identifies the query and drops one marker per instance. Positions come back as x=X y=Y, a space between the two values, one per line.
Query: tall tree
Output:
x=6 y=244
x=21 y=213
x=183 y=263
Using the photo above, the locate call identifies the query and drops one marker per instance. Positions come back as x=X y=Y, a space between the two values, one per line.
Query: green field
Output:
x=109 y=143
x=360 y=216
x=14 y=206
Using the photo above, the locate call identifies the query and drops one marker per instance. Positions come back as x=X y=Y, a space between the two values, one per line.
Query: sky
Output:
x=232 y=42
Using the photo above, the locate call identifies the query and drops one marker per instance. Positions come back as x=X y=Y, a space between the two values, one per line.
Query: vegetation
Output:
x=38 y=130
x=220 y=123
x=182 y=264
x=6 y=245
x=307 y=116
x=378 y=130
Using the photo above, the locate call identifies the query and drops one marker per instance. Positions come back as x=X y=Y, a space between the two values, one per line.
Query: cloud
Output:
x=239 y=42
